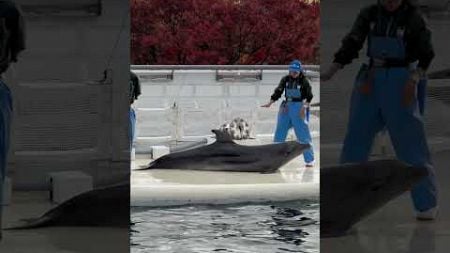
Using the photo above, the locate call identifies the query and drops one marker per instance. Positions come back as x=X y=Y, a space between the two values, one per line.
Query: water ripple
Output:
x=280 y=228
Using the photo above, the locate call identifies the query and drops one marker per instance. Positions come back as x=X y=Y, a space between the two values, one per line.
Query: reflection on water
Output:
x=287 y=227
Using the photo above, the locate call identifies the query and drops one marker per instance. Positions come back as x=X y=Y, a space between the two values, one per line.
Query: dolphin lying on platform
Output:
x=226 y=155
x=104 y=207
x=350 y=192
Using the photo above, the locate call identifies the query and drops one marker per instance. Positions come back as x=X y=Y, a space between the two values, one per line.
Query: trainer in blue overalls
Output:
x=293 y=110
x=134 y=93
x=12 y=42
x=385 y=94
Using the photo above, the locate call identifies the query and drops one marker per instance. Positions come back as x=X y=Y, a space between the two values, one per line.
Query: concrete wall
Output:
x=194 y=102
x=64 y=120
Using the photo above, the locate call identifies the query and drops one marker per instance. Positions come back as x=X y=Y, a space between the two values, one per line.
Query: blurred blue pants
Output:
x=132 y=127
x=5 y=124
x=289 y=116
x=383 y=108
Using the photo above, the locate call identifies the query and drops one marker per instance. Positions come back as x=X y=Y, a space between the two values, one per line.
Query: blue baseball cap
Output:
x=295 y=66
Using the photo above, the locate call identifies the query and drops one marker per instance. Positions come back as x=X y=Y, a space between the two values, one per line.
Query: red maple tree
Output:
x=224 y=31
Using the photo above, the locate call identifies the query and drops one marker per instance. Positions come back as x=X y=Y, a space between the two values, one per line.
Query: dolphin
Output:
x=103 y=207
x=440 y=74
x=226 y=155
x=351 y=192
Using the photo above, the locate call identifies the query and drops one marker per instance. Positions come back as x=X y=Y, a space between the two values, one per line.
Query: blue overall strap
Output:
x=422 y=95
x=293 y=94
x=286 y=89
x=286 y=86
x=307 y=114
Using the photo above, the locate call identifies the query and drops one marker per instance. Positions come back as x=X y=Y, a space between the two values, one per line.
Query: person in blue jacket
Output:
x=134 y=93
x=294 y=109
x=12 y=42
x=386 y=93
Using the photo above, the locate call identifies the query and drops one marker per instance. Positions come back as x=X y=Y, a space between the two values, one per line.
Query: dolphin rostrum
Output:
x=103 y=207
x=226 y=155
x=350 y=192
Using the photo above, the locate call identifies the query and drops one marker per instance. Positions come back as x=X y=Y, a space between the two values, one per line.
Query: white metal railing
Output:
x=220 y=67
x=186 y=102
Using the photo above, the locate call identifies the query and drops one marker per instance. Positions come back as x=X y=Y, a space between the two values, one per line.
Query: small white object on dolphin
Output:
x=238 y=129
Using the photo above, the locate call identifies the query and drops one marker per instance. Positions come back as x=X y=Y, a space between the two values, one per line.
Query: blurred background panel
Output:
x=70 y=123
x=393 y=228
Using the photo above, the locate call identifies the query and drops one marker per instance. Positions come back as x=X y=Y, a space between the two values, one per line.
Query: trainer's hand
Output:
x=304 y=109
x=329 y=73
x=303 y=112
x=366 y=87
x=268 y=104
x=409 y=92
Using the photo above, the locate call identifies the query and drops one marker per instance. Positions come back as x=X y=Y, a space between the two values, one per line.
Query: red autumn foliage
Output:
x=224 y=31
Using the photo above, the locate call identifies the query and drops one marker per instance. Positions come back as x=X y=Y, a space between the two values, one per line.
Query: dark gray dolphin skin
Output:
x=103 y=207
x=226 y=155
x=440 y=74
x=350 y=192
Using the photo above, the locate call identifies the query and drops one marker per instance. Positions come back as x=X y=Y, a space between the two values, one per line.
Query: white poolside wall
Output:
x=194 y=102
x=61 y=122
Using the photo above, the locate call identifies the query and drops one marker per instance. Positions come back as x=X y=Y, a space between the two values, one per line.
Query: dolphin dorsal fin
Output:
x=222 y=137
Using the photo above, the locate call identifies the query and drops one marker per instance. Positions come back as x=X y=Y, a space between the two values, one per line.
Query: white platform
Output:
x=178 y=187
x=169 y=195
x=67 y=184
x=158 y=151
